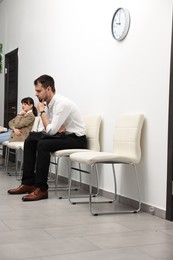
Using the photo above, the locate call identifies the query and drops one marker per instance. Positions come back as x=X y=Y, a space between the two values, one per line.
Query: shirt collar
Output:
x=52 y=101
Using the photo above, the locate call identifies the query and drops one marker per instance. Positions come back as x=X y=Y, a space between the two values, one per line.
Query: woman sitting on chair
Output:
x=21 y=125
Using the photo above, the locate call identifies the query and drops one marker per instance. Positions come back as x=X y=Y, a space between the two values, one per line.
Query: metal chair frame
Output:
x=126 y=151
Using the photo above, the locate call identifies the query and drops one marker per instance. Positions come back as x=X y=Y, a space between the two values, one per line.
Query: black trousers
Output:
x=37 y=148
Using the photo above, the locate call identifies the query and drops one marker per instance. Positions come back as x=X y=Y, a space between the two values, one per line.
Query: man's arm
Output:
x=41 y=110
x=60 y=112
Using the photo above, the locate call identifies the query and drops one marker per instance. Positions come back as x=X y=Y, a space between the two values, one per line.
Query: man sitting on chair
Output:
x=56 y=112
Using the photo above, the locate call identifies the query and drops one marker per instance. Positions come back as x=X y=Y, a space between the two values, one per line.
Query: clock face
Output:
x=120 y=23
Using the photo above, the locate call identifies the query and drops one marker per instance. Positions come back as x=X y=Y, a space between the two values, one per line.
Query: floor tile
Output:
x=116 y=254
x=159 y=251
x=86 y=229
x=128 y=239
x=40 y=248
x=23 y=235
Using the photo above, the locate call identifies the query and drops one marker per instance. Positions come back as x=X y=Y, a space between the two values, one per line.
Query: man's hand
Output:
x=62 y=129
x=40 y=106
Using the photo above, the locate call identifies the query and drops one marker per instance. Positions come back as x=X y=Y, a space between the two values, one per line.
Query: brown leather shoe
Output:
x=22 y=189
x=37 y=194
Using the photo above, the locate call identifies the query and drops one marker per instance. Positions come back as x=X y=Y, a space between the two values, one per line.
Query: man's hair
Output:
x=46 y=81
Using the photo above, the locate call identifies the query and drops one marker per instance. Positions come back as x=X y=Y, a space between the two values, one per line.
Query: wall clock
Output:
x=120 y=24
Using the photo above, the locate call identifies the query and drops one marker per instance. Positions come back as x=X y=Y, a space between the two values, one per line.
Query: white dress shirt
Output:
x=62 y=112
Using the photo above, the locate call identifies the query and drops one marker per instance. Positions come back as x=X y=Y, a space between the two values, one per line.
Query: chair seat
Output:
x=93 y=157
x=5 y=143
x=15 y=145
x=68 y=152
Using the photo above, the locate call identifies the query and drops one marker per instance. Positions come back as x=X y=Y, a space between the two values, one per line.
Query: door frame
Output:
x=169 y=199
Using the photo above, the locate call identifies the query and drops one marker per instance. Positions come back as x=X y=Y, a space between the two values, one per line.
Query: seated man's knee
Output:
x=41 y=145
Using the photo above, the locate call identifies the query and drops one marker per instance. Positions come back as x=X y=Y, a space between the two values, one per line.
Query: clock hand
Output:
x=119 y=16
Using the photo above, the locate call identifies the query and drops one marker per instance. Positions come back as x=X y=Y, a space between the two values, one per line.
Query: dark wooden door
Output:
x=11 y=86
x=11 y=90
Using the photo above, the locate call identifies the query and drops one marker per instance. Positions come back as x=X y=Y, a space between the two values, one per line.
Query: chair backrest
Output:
x=126 y=143
x=92 y=126
x=35 y=124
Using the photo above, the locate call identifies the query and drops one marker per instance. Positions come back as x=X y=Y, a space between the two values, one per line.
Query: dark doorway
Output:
x=11 y=90
x=11 y=86
x=169 y=202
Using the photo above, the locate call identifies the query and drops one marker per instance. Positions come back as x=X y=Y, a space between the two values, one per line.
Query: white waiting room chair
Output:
x=92 y=126
x=18 y=148
x=126 y=150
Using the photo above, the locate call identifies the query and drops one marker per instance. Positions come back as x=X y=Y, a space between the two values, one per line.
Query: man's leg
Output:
x=44 y=147
x=28 y=177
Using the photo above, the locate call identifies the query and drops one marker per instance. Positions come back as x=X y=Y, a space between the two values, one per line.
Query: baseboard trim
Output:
x=124 y=200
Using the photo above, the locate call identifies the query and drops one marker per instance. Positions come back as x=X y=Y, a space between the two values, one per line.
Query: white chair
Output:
x=126 y=150
x=18 y=148
x=92 y=126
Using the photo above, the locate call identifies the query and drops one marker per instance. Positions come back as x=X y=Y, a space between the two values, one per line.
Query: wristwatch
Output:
x=42 y=112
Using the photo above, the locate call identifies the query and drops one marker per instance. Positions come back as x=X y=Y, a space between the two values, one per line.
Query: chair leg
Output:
x=138 y=188
x=6 y=163
x=5 y=159
x=20 y=168
x=7 y=151
x=1 y=154
x=94 y=167
x=95 y=213
x=64 y=187
x=51 y=178
x=19 y=162
x=81 y=195
x=56 y=175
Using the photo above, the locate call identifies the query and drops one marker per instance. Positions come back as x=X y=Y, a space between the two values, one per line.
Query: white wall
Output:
x=71 y=40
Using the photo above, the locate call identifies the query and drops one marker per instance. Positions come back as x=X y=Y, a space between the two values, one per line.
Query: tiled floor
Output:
x=54 y=229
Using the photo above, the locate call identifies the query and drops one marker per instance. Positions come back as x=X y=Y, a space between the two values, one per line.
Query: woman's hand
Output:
x=22 y=113
x=16 y=131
